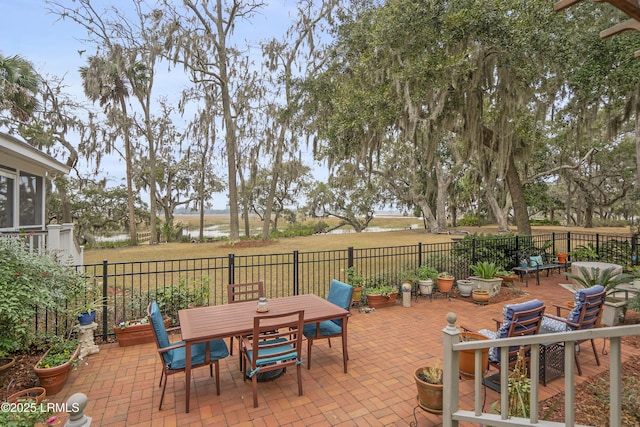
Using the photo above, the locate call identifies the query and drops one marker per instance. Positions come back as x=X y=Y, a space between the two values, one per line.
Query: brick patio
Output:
x=385 y=347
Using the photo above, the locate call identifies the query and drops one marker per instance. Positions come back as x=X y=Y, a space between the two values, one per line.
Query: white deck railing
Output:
x=452 y=414
x=58 y=242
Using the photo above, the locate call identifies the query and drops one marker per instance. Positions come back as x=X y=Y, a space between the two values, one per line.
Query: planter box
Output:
x=381 y=301
x=613 y=312
x=490 y=285
x=53 y=379
x=136 y=334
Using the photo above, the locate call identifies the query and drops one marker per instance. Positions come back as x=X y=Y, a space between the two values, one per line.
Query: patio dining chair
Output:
x=241 y=292
x=586 y=313
x=518 y=320
x=340 y=294
x=275 y=344
x=172 y=355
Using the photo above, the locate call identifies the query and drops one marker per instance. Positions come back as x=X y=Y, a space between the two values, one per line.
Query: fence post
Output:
x=105 y=308
x=296 y=272
x=451 y=370
x=419 y=254
x=350 y=256
x=569 y=243
x=232 y=269
x=634 y=249
x=598 y=243
x=553 y=244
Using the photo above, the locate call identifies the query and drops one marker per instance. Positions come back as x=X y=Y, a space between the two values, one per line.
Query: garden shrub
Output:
x=28 y=282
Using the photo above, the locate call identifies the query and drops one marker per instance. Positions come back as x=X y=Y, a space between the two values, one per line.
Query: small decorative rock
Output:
x=85 y=339
x=76 y=404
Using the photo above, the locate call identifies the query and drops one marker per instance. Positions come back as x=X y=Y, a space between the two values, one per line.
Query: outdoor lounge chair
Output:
x=172 y=355
x=585 y=314
x=340 y=294
x=519 y=320
x=278 y=340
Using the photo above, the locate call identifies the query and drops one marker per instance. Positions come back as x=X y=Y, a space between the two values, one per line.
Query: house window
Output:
x=31 y=208
x=6 y=200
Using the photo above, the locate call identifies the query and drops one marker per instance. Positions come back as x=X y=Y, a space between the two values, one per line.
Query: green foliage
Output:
x=29 y=281
x=519 y=389
x=432 y=374
x=608 y=277
x=634 y=304
x=60 y=352
x=25 y=418
x=586 y=252
x=485 y=270
x=615 y=251
x=300 y=229
x=174 y=298
x=354 y=278
x=498 y=249
x=425 y=272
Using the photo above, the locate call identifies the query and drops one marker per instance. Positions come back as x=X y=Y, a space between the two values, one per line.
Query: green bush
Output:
x=29 y=281
x=174 y=298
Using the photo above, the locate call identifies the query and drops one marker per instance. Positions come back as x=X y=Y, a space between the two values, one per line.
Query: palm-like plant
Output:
x=609 y=278
x=110 y=82
x=18 y=86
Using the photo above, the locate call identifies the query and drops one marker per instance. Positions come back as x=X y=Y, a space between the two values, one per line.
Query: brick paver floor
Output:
x=385 y=347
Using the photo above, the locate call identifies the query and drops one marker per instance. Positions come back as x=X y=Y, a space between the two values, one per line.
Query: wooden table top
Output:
x=222 y=321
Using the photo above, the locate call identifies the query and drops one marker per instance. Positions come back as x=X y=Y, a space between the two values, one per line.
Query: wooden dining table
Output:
x=203 y=324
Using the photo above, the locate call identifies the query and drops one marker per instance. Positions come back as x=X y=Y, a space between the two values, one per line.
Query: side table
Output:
x=551 y=362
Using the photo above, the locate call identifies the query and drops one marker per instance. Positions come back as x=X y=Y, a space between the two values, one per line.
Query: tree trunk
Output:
x=129 y=173
x=498 y=214
x=230 y=126
x=521 y=215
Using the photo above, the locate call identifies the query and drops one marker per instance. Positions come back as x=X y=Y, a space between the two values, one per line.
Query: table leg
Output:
x=345 y=355
x=187 y=372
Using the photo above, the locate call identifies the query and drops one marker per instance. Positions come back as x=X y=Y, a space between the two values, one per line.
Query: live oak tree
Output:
x=198 y=37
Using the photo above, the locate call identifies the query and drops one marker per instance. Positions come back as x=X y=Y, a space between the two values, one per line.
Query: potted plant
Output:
x=485 y=277
x=507 y=276
x=467 y=357
x=445 y=282
x=86 y=313
x=429 y=383
x=480 y=295
x=356 y=281
x=138 y=331
x=379 y=293
x=465 y=286
x=54 y=366
x=426 y=276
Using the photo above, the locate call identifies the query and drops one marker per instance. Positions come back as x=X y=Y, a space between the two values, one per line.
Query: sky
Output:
x=52 y=46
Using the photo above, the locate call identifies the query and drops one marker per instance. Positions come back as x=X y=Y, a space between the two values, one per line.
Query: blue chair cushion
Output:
x=535 y=260
x=161 y=333
x=327 y=328
x=271 y=350
x=341 y=295
x=217 y=350
x=578 y=301
x=509 y=311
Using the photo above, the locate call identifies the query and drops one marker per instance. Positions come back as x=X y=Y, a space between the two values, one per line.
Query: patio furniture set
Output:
x=270 y=333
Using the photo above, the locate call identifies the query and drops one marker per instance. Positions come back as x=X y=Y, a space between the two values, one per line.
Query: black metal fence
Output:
x=127 y=287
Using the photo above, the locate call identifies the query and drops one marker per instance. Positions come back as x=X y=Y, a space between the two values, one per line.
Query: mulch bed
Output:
x=592 y=396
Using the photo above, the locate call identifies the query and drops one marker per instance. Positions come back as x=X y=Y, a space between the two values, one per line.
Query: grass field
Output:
x=318 y=242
